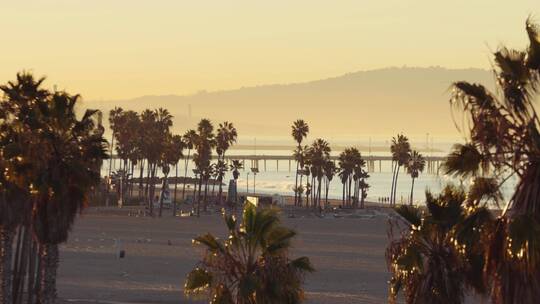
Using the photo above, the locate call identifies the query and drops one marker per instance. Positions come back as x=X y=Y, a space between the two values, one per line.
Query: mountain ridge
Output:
x=379 y=102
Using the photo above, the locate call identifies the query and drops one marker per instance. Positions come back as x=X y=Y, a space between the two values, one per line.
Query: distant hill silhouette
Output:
x=376 y=103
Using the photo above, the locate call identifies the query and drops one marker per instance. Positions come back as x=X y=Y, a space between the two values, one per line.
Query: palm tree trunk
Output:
x=313 y=189
x=199 y=196
x=343 y=197
x=195 y=182
x=362 y=206
x=220 y=180
x=32 y=272
x=412 y=189
x=349 y=192
x=112 y=152
x=299 y=203
x=319 y=194
x=49 y=265
x=358 y=191
x=327 y=187
x=296 y=184
x=205 y=201
x=214 y=187
x=175 y=188
x=6 y=251
x=21 y=262
x=152 y=188
x=163 y=184
x=395 y=186
x=131 y=180
x=38 y=270
x=141 y=175
x=185 y=176
x=147 y=186
x=18 y=237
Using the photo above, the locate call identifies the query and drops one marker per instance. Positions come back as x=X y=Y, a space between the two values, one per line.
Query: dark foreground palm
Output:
x=251 y=265
x=438 y=256
x=504 y=141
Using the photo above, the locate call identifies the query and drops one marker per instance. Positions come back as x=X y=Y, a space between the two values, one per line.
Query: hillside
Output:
x=375 y=103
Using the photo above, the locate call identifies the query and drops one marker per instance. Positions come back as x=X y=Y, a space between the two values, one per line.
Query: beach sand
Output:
x=348 y=254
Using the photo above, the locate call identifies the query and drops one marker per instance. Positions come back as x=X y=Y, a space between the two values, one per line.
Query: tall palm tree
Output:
x=114 y=117
x=17 y=131
x=71 y=154
x=251 y=265
x=319 y=154
x=236 y=166
x=176 y=152
x=125 y=134
x=300 y=155
x=351 y=167
x=203 y=146
x=400 y=149
x=300 y=129
x=190 y=138
x=360 y=175
x=504 y=138
x=226 y=136
x=343 y=173
x=329 y=171
x=415 y=166
x=148 y=149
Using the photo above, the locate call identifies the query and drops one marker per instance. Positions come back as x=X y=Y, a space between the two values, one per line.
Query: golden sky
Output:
x=114 y=49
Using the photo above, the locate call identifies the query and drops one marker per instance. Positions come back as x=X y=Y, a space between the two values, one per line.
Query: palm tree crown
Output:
x=252 y=264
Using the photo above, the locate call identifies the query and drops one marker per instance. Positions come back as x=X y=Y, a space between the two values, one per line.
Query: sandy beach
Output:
x=348 y=253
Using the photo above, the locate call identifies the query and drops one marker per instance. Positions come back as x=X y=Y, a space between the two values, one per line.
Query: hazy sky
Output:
x=115 y=49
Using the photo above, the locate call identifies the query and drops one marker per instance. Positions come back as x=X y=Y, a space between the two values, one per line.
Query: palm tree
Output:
x=360 y=175
x=71 y=153
x=319 y=154
x=415 y=166
x=18 y=111
x=329 y=171
x=114 y=117
x=308 y=193
x=236 y=166
x=126 y=124
x=190 y=138
x=178 y=148
x=435 y=259
x=148 y=149
x=350 y=169
x=252 y=264
x=300 y=129
x=203 y=146
x=400 y=150
x=225 y=138
x=503 y=141
x=300 y=155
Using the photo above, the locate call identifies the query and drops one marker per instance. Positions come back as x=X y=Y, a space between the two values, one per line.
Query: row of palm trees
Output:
x=146 y=140
x=459 y=246
x=314 y=161
x=50 y=160
x=403 y=156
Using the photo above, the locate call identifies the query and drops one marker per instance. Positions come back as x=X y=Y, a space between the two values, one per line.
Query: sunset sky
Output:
x=121 y=49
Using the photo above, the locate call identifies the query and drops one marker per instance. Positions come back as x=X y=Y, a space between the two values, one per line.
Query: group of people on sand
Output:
x=384 y=199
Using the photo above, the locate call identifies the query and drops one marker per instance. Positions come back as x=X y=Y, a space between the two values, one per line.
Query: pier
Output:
x=373 y=162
